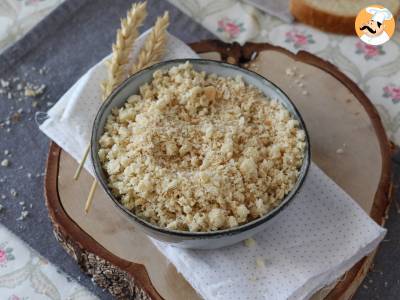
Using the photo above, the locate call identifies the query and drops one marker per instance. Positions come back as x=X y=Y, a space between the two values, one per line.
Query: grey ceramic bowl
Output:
x=184 y=239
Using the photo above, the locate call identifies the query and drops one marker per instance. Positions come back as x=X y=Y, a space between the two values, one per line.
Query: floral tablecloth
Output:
x=26 y=275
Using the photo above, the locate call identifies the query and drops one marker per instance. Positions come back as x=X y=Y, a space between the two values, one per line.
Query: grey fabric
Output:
x=68 y=42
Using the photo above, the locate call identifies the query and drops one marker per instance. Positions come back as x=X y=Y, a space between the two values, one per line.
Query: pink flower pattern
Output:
x=369 y=51
x=232 y=28
x=393 y=92
x=15 y=297
x=5 y=255
x=299 y=39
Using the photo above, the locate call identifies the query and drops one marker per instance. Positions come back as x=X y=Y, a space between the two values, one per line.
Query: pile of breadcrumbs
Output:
x=199 y=152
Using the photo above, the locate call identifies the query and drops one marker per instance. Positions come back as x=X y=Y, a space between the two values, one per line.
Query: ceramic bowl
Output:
x=184 y=239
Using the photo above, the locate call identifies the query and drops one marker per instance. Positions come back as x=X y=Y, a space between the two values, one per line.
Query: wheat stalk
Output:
x=122 y=47
x=149 y=54
x=154 y=45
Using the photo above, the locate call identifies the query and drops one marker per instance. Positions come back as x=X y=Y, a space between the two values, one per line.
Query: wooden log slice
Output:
x=338 y=116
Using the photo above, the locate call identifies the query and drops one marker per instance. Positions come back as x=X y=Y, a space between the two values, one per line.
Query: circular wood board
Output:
x=337 y=114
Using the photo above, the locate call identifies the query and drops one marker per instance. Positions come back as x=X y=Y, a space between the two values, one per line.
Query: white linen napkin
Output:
x=319 y=236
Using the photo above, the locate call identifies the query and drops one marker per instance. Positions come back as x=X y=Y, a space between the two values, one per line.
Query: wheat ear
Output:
x=154 y=45
x=122 y=47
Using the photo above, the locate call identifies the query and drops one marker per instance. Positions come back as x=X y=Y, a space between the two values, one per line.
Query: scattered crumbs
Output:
x=8 y=129
x=34 y=103
x=22 y=203
x=253 y=67
x=250 y=242
x=42 y=70
x=6 y=152
x=9 y=95
x=19 y=86
x=3 y=196
x=300 y=84
x=13 y=193
x=23 y=215
x=4 y=83
x=304 y=92
x=5 y=163
x=370 y=281
x=37 y=175
x=29 y=175
x=365 y=286
x=32 y=90
x=386 y=283
x=1 y=207
x=260 y=262
x=49 y=104
x=20 y=111
x=20 y=167
x=16 y=117
x=301 y=76
x=290 y=72
x=30 y=205
x=340 y=151
x=253 y=279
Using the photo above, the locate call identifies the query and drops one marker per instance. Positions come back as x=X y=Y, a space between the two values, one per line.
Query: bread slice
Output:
x=336 y=16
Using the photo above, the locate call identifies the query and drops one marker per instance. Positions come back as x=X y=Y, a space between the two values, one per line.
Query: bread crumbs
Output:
x=250 y=242
x=199 y=152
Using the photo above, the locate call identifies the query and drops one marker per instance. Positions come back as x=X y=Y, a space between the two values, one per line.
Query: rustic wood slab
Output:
x=337 y=114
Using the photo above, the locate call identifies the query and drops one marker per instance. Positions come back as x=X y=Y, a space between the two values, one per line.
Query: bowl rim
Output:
x=100 y=176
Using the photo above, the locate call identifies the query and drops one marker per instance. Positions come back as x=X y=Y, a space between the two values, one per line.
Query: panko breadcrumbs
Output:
x=199 y=152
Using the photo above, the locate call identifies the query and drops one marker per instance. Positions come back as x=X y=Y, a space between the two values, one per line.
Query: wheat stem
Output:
x=90 y=196
x=85 y=155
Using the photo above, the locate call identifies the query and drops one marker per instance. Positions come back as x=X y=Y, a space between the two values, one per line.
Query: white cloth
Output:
x=375 y=40
x=307 y=246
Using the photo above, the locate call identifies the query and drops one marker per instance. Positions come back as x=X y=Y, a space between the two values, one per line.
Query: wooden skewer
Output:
x=82 y=162
x=90 y=196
